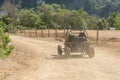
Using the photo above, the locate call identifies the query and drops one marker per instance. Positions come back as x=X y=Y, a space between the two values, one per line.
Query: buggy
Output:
x=76 y=43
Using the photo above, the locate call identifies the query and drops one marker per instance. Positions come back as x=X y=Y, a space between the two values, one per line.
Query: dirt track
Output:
x=105 y=65
x=44 y=64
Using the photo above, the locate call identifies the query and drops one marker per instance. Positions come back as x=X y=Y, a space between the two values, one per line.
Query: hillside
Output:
x=101 y=8
x=1 y=2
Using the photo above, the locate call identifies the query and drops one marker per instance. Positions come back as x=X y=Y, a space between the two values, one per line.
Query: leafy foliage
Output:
x=29 y=18
x=56 y=16
x=5 y=48
x=114 y=20
x=5 y=23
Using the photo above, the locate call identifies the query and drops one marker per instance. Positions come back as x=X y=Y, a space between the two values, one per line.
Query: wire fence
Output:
x=42 y=33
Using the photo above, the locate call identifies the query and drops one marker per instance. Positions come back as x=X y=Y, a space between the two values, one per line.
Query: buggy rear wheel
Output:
x=91 y=52
x=59 y=50
x=67 y=51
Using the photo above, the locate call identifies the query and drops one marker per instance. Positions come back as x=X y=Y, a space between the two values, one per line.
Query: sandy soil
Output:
x=37 y=59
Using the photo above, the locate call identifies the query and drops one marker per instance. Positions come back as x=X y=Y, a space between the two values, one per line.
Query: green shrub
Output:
x=7 y=20
x=5 y=48
x=6 y=27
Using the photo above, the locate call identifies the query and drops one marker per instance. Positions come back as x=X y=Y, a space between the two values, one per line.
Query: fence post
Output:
x=24 y=33
x=30 y=33
x=42 y=32
x=97 y=39
x=56 y=34
x=35 y=33
x=48 y=33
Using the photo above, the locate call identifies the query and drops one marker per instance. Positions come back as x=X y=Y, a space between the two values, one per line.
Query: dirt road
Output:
x=46 y=65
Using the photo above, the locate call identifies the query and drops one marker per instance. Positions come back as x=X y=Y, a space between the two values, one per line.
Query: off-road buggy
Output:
x=76 y=43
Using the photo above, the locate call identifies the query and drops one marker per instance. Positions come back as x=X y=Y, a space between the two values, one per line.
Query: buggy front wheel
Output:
x=59 y=50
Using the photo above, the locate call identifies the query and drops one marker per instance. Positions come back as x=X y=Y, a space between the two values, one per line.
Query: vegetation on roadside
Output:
x=5 y=47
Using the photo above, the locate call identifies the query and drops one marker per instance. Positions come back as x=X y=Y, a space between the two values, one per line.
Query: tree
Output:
x=57 y=15
x=29 y=18
x=48 y=14
x=105 y=23
x=9 y=7
x=114 y=20
x=117 y=21
x=92 y=22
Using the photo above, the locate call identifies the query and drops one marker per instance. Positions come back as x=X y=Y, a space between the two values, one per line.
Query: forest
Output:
x=101 y=8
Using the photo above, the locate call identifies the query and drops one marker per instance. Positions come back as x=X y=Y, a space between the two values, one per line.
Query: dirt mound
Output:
x=113 y=39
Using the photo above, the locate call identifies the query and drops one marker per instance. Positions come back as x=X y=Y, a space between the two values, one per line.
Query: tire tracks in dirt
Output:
x=46 y=65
